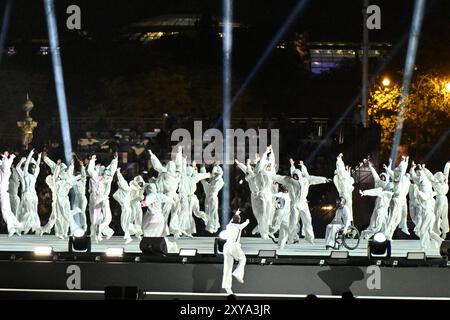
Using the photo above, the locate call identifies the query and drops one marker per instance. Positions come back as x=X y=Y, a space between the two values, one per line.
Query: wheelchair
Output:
x=350 y=240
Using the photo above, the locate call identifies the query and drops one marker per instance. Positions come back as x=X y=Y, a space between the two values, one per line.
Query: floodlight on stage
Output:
x=187 y=252
x=43 y=251
x=339 y=255
x=78 y=233
x=444 y=249
x=80 y=243
x=379 y=246
x=267 y=253
x=416 y=256
x=114 y=252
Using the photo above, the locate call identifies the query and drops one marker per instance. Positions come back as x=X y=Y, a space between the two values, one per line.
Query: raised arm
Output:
x=412 y=173
x=241 y=166
x=243 y=225
x=375 y=192
x=313 y=180
x=112 y=168
x=428 y=174
x=38 y=165
x=50 y=163
x=27 y=162
x=155 y=162
x=403 y=166
x=376 y=177
x=201 y=176
x=281 y=179
x=446 y=171
x=91 y=167
x=292 y=167
x=121 y=182
x=19 y=168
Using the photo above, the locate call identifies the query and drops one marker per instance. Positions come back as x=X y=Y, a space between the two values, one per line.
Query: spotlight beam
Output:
x=409 y=69
x=226 y=118
x=278 y=36
x=336 y=125
x=5 y=26
x=59 y=79
x=436 y=146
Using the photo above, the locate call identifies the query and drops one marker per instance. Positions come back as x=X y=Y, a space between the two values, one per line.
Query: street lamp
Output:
x=386 y=82
x=447 y=86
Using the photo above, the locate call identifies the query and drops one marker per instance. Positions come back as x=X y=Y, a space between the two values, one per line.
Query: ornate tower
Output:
x=27 y=126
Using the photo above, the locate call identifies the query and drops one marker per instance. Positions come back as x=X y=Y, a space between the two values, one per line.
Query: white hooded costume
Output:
x=440 y=185
x=167 y=183
x=29 y=204
x=99 y=207
x=212 y=186
x=13 y=225
x=153 y=223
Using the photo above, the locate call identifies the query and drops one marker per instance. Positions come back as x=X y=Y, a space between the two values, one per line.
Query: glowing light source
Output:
x=386 y=82
x=43 y=251
x=114 y=252
x=447 y=86
x=78 y=233
x=327 y=208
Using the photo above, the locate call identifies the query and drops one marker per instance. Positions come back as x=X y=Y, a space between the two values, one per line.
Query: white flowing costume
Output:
x=212 y=188
x=13 y=225
x=440 y=185
x=232 y=251
x=29 y=204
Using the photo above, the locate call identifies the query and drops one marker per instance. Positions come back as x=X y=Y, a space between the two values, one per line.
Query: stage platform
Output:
x=205 y=245
x=297 y=271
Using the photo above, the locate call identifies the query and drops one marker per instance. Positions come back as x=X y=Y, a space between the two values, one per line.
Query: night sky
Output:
x=324 y=19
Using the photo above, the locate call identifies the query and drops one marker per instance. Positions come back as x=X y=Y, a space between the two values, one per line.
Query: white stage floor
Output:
x=205 y=245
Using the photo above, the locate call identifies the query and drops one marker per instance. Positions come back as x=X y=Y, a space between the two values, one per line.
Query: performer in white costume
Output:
x=29 y=204
x=283 y=211
x=212 y=186
x=99 y=208
x=167 y=183
x=440 y=185
x=342 y=221
x=232 y=251
x=153 y=224
x=13 y=225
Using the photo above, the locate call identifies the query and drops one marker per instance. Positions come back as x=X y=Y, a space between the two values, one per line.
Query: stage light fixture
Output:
x=321 y=262
x=115 y=252
x=444 y=249
x=267 y=253
x=339 y=255
x=153 y=246
x=416 y=256
x=43 y=251
x=395 y=263
x=379 y=246
x=80 y=243
x=187 y=252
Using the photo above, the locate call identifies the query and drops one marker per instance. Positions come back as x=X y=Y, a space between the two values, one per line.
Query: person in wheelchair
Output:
x=341 y=223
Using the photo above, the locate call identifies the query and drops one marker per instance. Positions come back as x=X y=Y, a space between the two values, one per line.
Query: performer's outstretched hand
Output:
x=361 y=193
